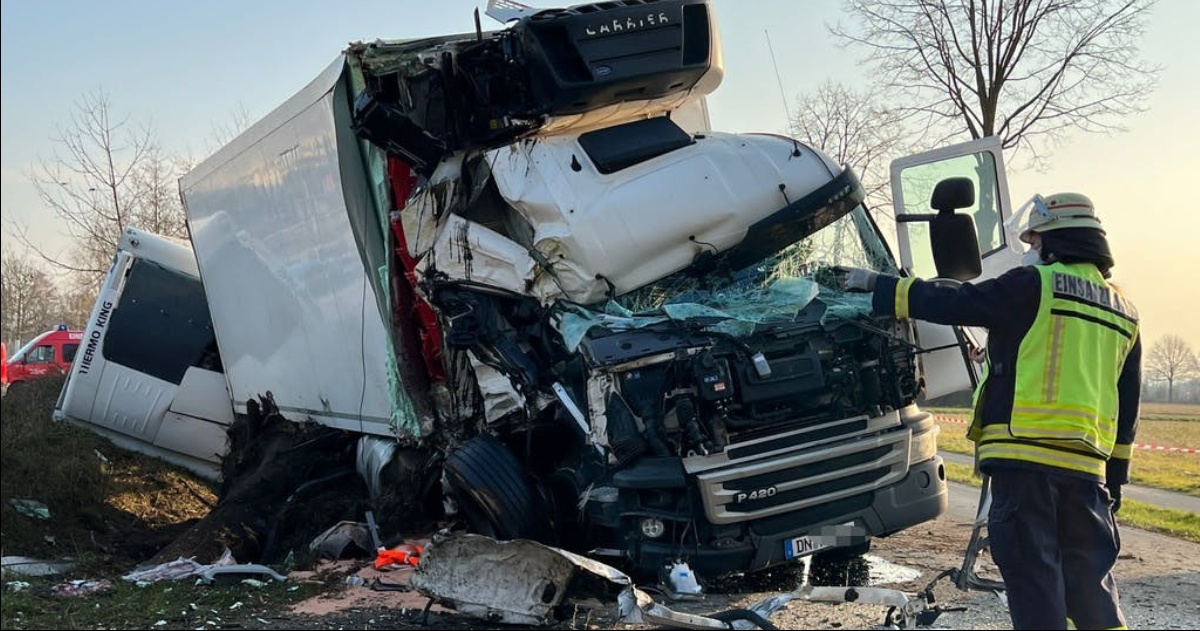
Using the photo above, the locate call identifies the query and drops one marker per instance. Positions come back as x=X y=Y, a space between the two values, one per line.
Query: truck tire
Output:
x=496 y=496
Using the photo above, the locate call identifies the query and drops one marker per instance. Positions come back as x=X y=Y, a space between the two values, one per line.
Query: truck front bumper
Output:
x=918 y=497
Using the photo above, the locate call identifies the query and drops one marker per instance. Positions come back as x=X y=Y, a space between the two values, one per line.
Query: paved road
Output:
x=1165 y=499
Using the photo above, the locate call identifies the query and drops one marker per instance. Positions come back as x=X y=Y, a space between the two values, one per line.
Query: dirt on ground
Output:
x=111 y=511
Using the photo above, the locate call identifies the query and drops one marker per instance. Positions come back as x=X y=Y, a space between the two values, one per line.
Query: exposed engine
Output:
x=676 y=388
x=680 y=393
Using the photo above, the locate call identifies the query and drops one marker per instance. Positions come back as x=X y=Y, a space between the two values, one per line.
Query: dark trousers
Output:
x=1055 y=541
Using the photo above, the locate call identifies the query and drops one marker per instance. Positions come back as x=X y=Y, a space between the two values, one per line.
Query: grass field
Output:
x=1173 y=425
x=1175 y=523
x=1167 y=411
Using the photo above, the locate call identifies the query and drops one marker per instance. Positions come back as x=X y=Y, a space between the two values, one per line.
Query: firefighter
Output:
x=1056 y=410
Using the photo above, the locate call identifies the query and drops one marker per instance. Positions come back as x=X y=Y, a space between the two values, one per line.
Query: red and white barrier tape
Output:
x=1182 y=450
x=942 y=418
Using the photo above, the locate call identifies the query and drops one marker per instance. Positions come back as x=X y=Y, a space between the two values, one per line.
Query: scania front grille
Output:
x=807 y=478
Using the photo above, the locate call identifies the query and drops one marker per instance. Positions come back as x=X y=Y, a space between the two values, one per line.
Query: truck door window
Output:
x=41 y=355
x=164 y=305
x=69 y=351
x=918 y=182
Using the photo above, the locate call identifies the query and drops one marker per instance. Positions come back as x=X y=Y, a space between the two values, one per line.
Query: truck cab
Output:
x=50 y=353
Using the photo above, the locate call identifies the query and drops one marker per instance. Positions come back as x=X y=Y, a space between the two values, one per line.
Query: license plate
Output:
x=804 y=546
x=825 y=537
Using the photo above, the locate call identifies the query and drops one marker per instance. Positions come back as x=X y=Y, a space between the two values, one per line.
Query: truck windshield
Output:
x=774 y=289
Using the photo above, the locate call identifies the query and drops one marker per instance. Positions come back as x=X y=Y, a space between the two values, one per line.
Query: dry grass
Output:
x=1135 y=514
x=45 y=462
x=1171 y=433
x=1179 y=472
x=1183 y=411
x=107 y=505
x=110 y=511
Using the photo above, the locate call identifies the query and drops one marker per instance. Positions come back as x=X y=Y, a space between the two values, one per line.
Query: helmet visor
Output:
x=1030 y=215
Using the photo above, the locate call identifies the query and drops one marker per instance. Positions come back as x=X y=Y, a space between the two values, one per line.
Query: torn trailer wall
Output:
x=288 y=234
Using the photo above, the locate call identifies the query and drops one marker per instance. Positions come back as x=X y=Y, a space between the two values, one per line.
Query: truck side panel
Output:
x=274 y=224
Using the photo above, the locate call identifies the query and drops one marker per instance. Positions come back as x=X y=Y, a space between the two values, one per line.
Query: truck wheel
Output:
x=496 y=496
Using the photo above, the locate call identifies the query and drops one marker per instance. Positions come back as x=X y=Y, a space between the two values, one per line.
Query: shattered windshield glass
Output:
x=775 y=289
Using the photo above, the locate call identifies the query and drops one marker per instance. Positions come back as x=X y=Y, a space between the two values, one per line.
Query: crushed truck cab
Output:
x=527 y=250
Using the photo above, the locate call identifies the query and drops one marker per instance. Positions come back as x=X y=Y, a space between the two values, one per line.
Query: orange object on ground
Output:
x=403 y=554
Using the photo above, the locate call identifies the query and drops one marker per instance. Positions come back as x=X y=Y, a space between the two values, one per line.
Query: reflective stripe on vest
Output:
x=997 y=443
x=1068 y=364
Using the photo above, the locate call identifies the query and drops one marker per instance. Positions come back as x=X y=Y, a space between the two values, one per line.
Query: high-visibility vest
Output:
x=1065 y=400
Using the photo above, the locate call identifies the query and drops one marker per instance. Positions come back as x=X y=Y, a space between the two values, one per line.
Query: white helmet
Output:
x=1060 y=210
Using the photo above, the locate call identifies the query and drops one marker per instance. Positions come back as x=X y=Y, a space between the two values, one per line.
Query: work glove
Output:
x=858 y=279
x=1114 y=491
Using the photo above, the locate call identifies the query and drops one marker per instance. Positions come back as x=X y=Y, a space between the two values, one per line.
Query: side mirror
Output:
x=952 y=237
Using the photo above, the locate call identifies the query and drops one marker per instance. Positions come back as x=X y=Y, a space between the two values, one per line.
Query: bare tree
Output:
x=239 y=121
x=855 y=128
x=1171 y=359
x=74 y=305
x=105 y=175
x=1017 y=69
x=27 y=299
x=155 y=191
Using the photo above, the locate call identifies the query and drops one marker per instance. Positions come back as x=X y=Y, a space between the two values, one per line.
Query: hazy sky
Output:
x=186 y=67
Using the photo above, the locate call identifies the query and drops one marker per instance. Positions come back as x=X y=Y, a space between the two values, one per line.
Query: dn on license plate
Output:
x=804 y=546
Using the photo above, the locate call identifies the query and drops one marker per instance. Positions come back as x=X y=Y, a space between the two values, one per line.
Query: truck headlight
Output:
x=653 y=528
x=924 y=445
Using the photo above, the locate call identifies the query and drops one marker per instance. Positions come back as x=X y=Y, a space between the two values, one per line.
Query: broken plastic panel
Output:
x=556 y=70
x=525 y=583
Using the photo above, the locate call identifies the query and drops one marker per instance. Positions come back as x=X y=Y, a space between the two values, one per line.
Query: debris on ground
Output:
x=26 y=566
x=396 y=557
x=528 y=583
x=82 y=587
x=31 y=508
x=211 y=573
x=359 y=587
x=680 y=582
x=333 y=543
x=184 y=568
x=174 y=570
x=277 y=475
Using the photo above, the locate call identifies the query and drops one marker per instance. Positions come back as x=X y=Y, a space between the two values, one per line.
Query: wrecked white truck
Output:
x=526 y=251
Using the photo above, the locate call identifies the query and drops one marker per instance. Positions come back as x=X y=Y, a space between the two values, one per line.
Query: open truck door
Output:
x=916 y=181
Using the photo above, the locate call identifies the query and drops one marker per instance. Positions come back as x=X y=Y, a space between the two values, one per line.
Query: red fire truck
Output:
x=50 y=353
